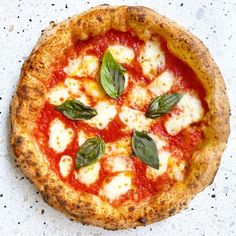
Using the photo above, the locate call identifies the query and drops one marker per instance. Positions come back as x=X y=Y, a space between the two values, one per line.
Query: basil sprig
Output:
x=163 y=104
x=145 y=148
x=76 y=110
x=89 y=152
x=112 y=76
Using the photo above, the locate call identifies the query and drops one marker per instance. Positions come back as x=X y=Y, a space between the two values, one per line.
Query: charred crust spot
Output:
x=79 y=22
x=99 y=18
x=142 y=220
x=38 y=174
x=62 y=202
x=131 y=209
x=172 y=211
x=19 y=140
x=141 y=18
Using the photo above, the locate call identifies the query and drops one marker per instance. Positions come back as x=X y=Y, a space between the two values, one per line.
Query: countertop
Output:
x=23 y=212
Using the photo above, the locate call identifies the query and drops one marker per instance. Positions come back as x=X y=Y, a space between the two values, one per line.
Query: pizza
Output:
x=120 y=117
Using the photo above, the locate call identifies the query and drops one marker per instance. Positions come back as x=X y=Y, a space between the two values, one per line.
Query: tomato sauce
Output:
x=181 y=145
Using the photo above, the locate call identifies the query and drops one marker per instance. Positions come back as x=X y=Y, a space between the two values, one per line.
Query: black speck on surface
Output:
x=53 y=4
x=42 y=211
x=66 y=6
x=31 y=207
x=30 y=20
x=150 y=229
x=1 y=195
x=36 y=201
x=192 y=209
x=0 y=98
x=44 y=223
x=212 y=207
x=213 y=195
x=181 y=4
x=5 y=206
x=88 y=2
x=18 y=223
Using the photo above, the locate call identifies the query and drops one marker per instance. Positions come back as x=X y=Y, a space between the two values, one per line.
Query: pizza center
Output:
x=122 y=117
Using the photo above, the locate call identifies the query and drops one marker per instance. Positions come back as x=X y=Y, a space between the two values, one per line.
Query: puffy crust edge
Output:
x=30 y=97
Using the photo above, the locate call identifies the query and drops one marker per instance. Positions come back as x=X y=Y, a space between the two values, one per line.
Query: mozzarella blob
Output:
x=162 y=84
x=106 y=112
x=139 y=96
x=116 y=187
x=88 y=174
x=65 y=165
x=191 y=111
x=84 y=65
x=58 y=95
x=121 y=53
x=119 y=163
x=59 y=135
x=151 y=58
x=163 y=164
x=178 y=170
x=134 y=119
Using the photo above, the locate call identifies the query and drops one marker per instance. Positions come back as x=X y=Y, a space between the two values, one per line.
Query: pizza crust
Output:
x=31 y=95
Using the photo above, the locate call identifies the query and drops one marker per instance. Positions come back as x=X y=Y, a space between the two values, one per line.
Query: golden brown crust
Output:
x=30 y=97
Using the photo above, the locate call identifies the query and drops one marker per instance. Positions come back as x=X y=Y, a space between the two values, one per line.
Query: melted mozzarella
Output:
x=151 y=58
x=58 y=95
x=94 y=89
x=139 y=96
x=163 y=164
x=162 y=83
x=120 y=147
x=121 y=54
x=88 y=174
x=85 y=65
x=134 y=119
x=190 y=111
x=65 y=165
x=178 y=170
x=106 y=112
x=126 y=74
x=59 y=136
x=72 y=85
x=158 y=140
x=82 y=137
x=119 y=163
x=116 y=187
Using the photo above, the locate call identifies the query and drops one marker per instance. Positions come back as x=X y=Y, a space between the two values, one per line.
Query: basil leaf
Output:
x=89 y=152
x=76 y=110
x=112 y=76
x=145 y=148
x=163 y=104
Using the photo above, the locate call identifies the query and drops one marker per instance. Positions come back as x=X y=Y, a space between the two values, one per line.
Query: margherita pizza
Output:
x=120 y=117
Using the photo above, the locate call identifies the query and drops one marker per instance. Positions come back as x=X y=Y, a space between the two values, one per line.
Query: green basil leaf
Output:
x=89 y=152
x=145 y=148
x=112 y=76
x=76 y=110
x=163 y=104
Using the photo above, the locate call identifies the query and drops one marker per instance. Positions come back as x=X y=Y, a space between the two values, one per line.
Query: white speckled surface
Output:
x=23 y=212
